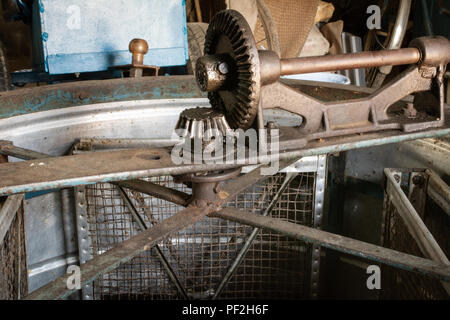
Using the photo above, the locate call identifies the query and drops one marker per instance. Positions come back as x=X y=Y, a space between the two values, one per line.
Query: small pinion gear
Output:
x=229 y=33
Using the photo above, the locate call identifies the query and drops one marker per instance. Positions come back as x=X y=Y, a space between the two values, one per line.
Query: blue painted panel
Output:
x=84 y=35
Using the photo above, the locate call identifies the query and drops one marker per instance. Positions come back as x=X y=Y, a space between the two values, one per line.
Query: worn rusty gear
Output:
x=229 y=33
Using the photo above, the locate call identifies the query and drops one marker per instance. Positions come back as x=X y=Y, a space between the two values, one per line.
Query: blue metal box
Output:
x=84 y=36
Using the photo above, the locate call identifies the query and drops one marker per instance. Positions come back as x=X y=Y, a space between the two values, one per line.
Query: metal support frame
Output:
x=146 y=239
x=89 y=168
x=319 y=197
x=150 y=237
x=128 y=249
x=410 y=216
x=84 y=241
x=343 y=244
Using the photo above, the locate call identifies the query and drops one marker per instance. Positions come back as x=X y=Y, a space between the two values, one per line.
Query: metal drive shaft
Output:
x=365 y=59
x=218 y=72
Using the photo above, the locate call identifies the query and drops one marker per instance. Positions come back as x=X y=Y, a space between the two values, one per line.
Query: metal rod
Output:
x=8 y=212
x=426 y=18
x=365 y=59
x=439 y=191
x=396 y=39
x=157 y=191
x=416 y=227
x=21 y=181
x=412 y=220
x=97 y=144
x=8 y=149
x=241 y=255
x=161 y=257
x=343 y=244
x=198 y=10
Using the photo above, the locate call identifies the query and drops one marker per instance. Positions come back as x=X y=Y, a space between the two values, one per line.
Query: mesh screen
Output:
x=200 y=255
x=13 y=268
x=401 y=284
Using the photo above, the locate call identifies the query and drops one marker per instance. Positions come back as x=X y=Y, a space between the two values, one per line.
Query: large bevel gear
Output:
x=229 y=34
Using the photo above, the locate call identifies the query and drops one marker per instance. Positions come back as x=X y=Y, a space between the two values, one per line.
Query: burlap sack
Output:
x=293 y=19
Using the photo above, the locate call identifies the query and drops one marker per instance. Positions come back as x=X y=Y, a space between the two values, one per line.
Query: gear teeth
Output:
x=240 y=111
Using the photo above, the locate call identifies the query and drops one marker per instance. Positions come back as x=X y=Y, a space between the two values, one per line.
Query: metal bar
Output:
x=412 y=220
x=426 y=18
x=84 y=241
x=243 y=252
x=8 y=212
x=340 y=243
x=8 y=149
x=92 y=168
x=95 y=144
x=396 y=38
x=438 y=190
x=365 y=59
x=416 y=227
x=157 y=191
x=141 y=223
x=319 y=197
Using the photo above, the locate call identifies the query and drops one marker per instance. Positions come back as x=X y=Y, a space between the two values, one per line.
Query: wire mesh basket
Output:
x=274 y=267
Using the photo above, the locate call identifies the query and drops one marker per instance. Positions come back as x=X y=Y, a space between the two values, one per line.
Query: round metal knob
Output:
x=138 y=47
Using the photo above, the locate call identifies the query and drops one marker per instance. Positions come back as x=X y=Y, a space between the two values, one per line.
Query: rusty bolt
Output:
x=271 y=125
x=410 y=111
x=418 y=180
x=397 y=177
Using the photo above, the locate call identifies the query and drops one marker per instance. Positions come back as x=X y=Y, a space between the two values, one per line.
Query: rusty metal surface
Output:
x=230 y=34
x=158 y=191
x=50 y=97
x=428 y=57
x=340 y=243
x=90 y=168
